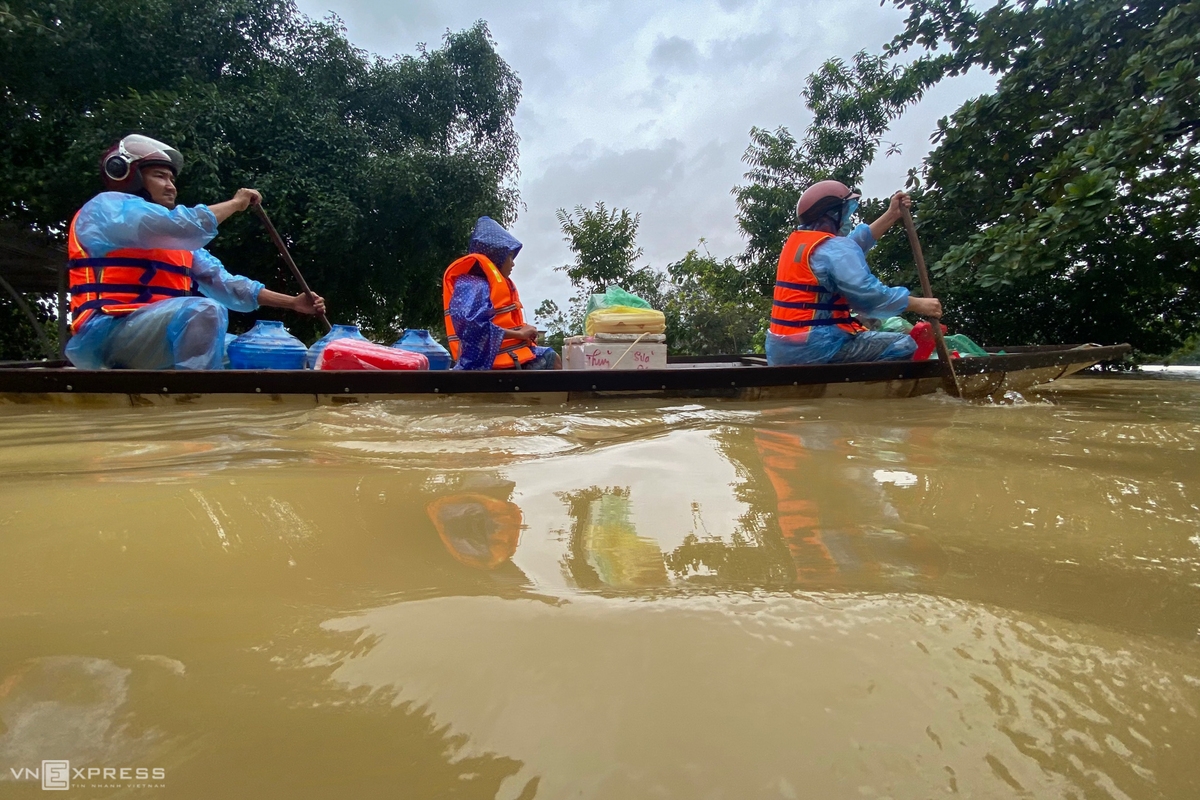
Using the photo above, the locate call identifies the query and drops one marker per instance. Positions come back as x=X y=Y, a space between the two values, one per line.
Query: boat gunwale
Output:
x=32 y=380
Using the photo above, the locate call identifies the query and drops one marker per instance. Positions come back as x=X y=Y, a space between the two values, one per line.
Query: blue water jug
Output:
x=419 y=341
x=267 y=345
x=337 y=332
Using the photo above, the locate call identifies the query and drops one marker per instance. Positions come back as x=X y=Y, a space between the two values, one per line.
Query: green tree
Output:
x=711 y=307
x=374 y=168
x=18 y=340
x=1069 y=193
x=604 y=242
x=557 y=326
x=852 y=105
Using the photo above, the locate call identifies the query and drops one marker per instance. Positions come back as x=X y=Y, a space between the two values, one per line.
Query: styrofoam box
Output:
x=615 y=355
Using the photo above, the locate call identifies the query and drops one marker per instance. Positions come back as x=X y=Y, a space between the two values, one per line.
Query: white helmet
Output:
x=122 y=164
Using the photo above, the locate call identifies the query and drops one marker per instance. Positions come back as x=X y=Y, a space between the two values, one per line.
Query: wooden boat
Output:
x=737 y=377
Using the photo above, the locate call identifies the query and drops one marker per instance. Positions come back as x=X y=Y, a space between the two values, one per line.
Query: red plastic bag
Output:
x=922 y=333
x=357 y=354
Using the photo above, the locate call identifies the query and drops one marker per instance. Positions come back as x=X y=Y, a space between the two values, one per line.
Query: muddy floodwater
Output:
x=834 y=599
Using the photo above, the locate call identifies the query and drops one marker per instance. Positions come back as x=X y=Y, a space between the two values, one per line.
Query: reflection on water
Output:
x=479 y=530
x=828 y=522
x=605 y=548
x=871 y=599
x=69 y=703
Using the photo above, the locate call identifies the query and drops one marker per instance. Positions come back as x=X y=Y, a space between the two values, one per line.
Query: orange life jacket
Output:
x=798 y=294
x=124 y=280
x=506 y=302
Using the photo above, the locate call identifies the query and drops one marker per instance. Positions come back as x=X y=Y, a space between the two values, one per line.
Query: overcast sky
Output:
x=648 y=106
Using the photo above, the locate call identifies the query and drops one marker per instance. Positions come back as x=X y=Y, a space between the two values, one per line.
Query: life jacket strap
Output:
x=810 y=323
x=512 y=352
x=107 y=302
x=149 y=264
x=128 y=288
x=803 y=287
x=813 y=306
x=143 y=294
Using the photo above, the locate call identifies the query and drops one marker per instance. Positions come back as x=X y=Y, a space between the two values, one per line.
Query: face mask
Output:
x=848 y=209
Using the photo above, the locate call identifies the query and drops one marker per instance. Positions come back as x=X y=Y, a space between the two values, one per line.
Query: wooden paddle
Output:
x=949 y=379
x=287 y=257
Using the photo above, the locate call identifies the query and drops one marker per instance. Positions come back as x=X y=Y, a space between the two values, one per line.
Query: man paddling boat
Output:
x=823 y=278
x=485 y=324
x=145 y=294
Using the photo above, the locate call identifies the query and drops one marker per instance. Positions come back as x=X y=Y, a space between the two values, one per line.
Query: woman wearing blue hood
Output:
x=823 y=276
x=485 y=326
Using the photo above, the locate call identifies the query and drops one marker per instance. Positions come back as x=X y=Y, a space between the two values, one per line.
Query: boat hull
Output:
x=727 y=377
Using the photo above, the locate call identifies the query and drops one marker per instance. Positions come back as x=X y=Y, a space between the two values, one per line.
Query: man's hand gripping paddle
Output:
x=287 y=257
x=949 y=379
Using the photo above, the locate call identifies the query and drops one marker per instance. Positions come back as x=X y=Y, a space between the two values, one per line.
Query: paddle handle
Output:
x=261 y=213
x=951 y=381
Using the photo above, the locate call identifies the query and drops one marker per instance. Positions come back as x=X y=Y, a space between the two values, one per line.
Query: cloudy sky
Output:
x=648 y=106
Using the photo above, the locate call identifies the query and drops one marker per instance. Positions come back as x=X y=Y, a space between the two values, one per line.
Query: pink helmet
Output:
x=121 y=165
x=821 y=198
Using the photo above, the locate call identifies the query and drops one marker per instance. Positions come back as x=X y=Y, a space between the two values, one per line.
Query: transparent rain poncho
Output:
x=178 y=333
x=840 y=264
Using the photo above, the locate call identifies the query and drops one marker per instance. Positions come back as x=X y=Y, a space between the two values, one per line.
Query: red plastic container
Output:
x=357 y=354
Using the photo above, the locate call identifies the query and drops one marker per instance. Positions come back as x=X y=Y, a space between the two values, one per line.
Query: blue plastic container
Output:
x=419 y=341
x=267 y=345
x=337 y=332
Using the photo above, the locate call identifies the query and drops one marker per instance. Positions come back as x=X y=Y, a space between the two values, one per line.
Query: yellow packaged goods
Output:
x=619 y=311
x=625 y=319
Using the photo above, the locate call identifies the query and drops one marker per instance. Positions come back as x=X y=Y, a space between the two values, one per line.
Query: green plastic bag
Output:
x=965 y=347
x=896 y=325
x=612 y=297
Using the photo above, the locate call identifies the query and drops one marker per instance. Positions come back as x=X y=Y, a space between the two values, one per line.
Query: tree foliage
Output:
x=852 y=105
x=711 y=307
x=604 y=243
x=706 y=301
x=18 y=341
x=1071 y=191
x=374 y=168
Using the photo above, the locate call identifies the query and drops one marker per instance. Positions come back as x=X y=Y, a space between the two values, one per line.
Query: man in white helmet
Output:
x=137 y=262
x=823 y=280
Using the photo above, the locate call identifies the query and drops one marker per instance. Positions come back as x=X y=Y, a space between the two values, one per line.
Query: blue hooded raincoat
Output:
x=471 y=305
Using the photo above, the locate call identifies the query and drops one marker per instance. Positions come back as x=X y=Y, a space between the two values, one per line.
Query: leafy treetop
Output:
x=374 y=168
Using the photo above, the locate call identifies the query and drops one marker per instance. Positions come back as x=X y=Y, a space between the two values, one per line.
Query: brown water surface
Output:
x=836 y=599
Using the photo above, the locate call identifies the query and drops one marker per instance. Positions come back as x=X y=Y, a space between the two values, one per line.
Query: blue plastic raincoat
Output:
x=840 y=264
x=176 y=333
x=471 y=305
